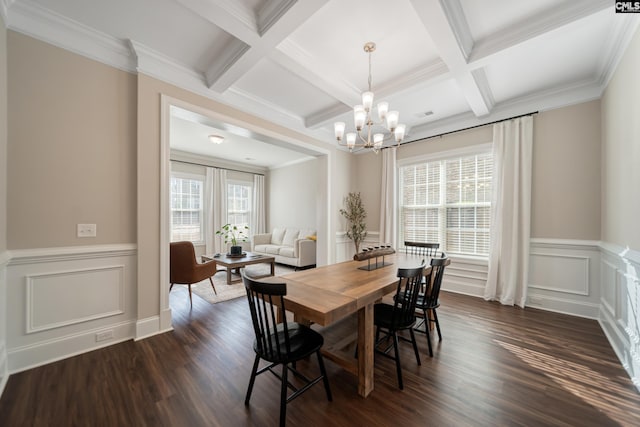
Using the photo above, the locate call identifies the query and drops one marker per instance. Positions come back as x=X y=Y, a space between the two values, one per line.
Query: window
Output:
x=448 y=201
x=239 y=204
x=186 y=208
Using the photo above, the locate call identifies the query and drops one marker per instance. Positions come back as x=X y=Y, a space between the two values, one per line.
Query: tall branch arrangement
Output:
x=355 y=215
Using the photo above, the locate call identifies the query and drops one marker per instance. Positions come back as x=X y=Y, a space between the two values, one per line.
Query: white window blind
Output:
x=448 y=202
x=186 y=209
x=239 y=204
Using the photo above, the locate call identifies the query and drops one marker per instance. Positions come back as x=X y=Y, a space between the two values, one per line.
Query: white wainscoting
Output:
x=4 y=370
x=67 y=301
x=619 y=314
x=564 y=276
x=466 y=276
x=345 y=250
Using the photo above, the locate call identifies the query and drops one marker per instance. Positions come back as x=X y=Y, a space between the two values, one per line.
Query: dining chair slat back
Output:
x=421 y=248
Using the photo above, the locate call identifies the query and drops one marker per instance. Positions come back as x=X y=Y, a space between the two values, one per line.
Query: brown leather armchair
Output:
x=185 y=270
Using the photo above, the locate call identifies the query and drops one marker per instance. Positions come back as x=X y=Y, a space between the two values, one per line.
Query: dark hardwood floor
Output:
x=495 y=366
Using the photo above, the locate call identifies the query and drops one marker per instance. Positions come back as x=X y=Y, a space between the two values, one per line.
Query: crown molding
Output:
x=616 y=46
x=156 y=64
x=550 y=99
x=35 y=21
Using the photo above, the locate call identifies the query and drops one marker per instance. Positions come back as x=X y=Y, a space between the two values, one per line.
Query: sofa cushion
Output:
x=287 y=251
x=272 y=249
x=290 y=236
x=260 y=248
x=277 y=235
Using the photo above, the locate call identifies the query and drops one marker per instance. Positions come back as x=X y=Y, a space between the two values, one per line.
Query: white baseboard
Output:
x=149 y=327
x=44 y=352
x=4 y=371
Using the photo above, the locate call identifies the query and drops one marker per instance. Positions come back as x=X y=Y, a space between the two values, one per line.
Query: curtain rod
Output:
x=463 y=129
x=217 y=167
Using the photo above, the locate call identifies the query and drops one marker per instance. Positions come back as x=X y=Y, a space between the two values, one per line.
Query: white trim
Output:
x=4 y=371
x=584 y=291
x=471 y=150
x=49 y=351
x=70 y=253
x=30 y=292
x=149 y=327
x=5 y=257
x=565 y=243
x=622 y=252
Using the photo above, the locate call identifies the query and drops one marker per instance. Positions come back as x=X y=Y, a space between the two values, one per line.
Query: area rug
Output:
x=227 y=292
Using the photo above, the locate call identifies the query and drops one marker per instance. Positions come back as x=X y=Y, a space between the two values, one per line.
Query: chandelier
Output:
x=370 y=134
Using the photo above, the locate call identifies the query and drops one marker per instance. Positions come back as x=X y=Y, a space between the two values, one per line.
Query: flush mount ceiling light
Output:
x=216 y=139
x=366 y=135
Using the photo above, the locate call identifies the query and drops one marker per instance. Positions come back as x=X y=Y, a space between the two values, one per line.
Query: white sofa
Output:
x=291 y=246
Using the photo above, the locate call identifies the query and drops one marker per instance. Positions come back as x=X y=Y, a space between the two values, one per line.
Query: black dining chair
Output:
x=428 y=299
x=400 y=316
x=421 y=248
x=280 y=343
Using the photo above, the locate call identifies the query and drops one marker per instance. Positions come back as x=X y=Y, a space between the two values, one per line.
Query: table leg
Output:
x=365 y=350
x=273 y=268
x=229 y=275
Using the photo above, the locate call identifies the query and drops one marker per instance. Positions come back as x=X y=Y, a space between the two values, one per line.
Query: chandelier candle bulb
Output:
x=399 y=132
x=351 y=140
x=339 y=129
x=383 y=107
x=392 y=120
x=367 y=101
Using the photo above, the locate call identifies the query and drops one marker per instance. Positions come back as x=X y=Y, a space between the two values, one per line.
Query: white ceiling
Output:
x=301 y=63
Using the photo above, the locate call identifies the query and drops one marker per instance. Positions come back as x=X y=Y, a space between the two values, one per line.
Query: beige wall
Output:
x=621 y=152
x=367 y=179
x=72 y=143
x=566 y=173
x=3 y=137
x=292 y=196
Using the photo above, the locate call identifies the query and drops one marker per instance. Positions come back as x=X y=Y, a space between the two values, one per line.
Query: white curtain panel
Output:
x=219 y=208
x=388 y=197
x=510 y=212
x=209 y=203
x=258 y=220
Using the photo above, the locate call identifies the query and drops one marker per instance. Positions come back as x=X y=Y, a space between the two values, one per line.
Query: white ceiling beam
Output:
x=486 y=49
x=429 y=75
x=257 y=38
x=448 y=29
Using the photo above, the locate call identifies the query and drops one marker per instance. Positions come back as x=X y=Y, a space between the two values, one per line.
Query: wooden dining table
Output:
x=331 y=294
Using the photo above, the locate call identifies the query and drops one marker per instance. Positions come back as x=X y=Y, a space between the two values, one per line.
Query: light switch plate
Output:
x=86 y=230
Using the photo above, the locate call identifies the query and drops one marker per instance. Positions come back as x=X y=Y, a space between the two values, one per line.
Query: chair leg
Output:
x=190 y=298
x=427 y=324
x=325 y=379
x=415 y=345
x=252 y=380
x=214 y=288
x=283 y=395
x=435 y=317
x=397 y=353
x=170 y=287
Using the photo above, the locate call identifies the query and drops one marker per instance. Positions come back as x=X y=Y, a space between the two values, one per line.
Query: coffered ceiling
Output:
x=443 y=65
